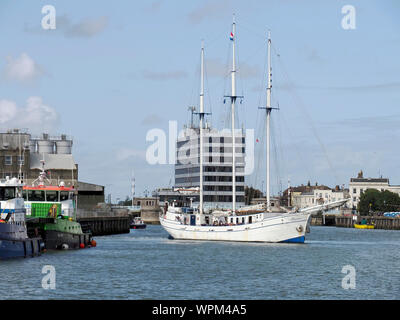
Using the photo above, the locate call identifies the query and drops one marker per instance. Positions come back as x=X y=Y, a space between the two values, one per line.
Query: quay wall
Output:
x=150 y=216
x=384 y=223
x=316 y=221
x=327 y=220
x=104 y=221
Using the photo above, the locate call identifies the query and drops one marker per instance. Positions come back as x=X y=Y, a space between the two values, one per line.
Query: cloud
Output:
x=374 y=125
x=369 y=87
x=313 y=56
x=152 y=120
x=215 y=68
x=258 y=88
x=86 y=28
x=35 y=115
x=154 y=6
x=363 y=88
x=168 y=75
x=310 y=53
x=126 y=153
x=211 y=9
x=8 y=111
x=347 y=160
x=22 y=69
x=115 y=173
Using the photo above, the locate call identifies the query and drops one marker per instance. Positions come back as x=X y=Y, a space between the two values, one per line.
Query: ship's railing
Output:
x=61 y=137
x=70 y=212
x=130 y=208
x=15 y=131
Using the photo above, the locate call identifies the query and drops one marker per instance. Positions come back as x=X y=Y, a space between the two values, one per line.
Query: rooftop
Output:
x=374 y=180
x=53 y=161
x=306 y=189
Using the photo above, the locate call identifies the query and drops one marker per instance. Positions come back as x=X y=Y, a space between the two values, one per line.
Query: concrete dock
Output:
x=104 y=220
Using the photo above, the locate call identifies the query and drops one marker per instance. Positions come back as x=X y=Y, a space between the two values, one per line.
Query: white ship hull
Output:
x=283 y=227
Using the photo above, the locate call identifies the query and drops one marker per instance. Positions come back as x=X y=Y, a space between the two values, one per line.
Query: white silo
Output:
x=32 y=146
x=64 y=146
x=45 y=145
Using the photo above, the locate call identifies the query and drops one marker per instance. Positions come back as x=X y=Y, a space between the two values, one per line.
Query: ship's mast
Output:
x=233 y=100
x=201 y=115
x=268 y=120
x=20 y=157
x=132 y=186
x=268 y=110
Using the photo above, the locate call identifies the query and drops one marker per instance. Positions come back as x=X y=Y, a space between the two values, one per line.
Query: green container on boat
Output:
x=43 y=210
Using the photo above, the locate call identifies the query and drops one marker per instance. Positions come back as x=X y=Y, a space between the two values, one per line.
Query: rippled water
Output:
x=145 y=264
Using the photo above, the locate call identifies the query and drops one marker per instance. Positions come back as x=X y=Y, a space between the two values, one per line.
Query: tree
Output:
x=251 y=193
x=127 y=202
x=373 y=200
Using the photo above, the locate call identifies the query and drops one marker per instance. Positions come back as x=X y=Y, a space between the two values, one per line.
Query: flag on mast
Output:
x=231 y=37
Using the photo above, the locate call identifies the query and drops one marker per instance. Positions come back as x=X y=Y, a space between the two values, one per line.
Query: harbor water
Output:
x=145 y=264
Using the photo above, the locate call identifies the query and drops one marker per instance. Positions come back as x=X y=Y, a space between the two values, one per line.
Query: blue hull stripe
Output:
x=295 y=240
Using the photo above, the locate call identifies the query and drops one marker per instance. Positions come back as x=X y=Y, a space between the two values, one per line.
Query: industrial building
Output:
x=23 y=155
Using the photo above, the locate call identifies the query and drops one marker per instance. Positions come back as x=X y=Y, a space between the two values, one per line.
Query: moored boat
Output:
x=14 y=240
x=137 y=223
x=51 y=211
x=364 y=226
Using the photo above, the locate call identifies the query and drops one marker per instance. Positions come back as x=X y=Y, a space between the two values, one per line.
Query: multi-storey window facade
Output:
x=217 y=165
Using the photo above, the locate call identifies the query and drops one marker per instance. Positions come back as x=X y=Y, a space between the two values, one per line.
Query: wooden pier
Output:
x=344 y=221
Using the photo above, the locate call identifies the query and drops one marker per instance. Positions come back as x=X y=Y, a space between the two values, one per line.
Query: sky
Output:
x=112 y=71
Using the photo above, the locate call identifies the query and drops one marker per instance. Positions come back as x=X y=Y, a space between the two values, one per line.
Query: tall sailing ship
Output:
x=252 y=224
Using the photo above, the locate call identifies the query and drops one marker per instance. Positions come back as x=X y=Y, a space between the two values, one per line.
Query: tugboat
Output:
x=52 y=211
x=14 y=240
x=137 y=223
